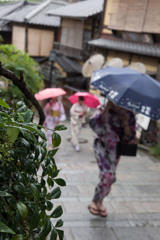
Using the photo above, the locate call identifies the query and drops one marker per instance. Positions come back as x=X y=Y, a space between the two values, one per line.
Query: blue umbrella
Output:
x=133 y=90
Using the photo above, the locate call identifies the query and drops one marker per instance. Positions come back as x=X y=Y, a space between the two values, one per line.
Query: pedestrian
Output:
x=54 y=113
x=112 y=125
x=78 y=114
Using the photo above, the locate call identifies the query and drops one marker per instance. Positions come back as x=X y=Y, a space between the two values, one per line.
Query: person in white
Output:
x=78 y=113
x=54 y=113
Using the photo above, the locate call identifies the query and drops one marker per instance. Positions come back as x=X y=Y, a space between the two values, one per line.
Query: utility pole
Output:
x=52 y=58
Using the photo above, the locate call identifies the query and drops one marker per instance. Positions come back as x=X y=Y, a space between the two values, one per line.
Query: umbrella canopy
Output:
x=89 y=99
x=130 y=89
x=49 y=93
x=94 y=63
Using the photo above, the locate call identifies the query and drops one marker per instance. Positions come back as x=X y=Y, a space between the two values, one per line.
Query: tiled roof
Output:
x=39 y=16
x=6 y=8
x=82 y=9
x=19 y=13
x=126 y=46
x=4 y=26
x=68 y=64
x=34 y=13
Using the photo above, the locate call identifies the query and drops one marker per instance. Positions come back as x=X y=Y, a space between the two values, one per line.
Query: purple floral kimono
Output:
x=108 y=133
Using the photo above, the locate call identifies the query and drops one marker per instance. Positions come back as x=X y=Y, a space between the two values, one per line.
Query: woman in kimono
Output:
x=112 y=125
x=78 y=114
x=54 y=113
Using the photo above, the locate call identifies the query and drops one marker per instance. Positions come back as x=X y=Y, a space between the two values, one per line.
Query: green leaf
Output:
x=31 y=128
x=56 y=193
x=50 y=182
x=60 y=182
x=28 y=116
x=49 y=205
x=34 y=220
x=18 y=127
x=43 y=154
x=53 y=235
x=46 y=229
x=3 y=104
x=27 y=135
x=59 y=223
x=45 y=172
x=5 y=194
x=5 y=229
x=49 y=169
x=60 y=127
x=56 y=139
x=52 y=152
x=55 y=174
x=18 y=188
x=5 y=115
x=57 y=212
x=25 y=143
x=41 y=134
x=17 y=237
x=22 y=208
x=2 y=125
x=36 y=148
x=35 y=192
x=43 y=182
x=12 y=134
x=60 y=234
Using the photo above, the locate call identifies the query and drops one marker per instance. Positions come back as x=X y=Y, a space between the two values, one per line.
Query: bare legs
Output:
x=97 y=208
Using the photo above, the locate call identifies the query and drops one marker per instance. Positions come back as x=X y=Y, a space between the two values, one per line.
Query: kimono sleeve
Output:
x=97 y=124
x=62 y=113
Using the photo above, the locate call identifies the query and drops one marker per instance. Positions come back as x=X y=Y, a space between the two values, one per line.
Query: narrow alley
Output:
x=133 y=204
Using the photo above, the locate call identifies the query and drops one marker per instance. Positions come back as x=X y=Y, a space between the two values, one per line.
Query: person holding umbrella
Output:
x=81 y=101
x=53 y=110
x=78 y=113
x=129 y=89
x=54 y=113
x=112 y=125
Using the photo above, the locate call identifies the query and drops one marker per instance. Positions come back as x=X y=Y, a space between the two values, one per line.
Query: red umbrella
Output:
x=49 y=93
x=89 y=99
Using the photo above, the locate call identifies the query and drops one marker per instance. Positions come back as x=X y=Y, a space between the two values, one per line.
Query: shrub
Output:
x=155 y=150
x=16 y=61
x=29 y=180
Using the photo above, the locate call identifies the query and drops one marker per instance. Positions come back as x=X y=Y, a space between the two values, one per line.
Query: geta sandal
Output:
x=93 y=210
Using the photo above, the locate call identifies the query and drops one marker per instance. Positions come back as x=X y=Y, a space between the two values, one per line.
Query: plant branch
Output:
x=20 y=83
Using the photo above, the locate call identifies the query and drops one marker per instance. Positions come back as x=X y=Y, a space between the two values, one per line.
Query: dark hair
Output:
x=81 y=98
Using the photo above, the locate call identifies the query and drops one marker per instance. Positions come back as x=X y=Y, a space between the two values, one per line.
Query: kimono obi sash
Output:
x=55 y=113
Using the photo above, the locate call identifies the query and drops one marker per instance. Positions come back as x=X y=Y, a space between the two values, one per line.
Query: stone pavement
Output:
x=133 y=204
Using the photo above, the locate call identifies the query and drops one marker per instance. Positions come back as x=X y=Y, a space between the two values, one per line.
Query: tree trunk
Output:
x=20 y=83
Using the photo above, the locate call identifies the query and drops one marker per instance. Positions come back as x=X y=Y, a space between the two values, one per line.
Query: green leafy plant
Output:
x=29 y=180
x=16 y=61
x=1 y=39
x=155 y=150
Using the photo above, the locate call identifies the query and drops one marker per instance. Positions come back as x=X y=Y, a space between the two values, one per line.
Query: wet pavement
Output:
x=133 y=204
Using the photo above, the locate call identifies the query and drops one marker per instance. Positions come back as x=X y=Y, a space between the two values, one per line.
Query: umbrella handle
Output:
x=104 y=102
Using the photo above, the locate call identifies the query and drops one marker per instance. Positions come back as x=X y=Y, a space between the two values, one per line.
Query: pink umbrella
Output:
x=49 y=93
x=89 y=99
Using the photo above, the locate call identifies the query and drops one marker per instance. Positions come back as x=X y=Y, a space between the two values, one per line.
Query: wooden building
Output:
x=5 y=26
x=32 y=30
x=130 y=30
x=80 y=23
